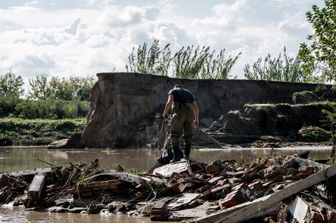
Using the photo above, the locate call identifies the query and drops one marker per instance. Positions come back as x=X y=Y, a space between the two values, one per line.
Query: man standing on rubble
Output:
x=185 y=115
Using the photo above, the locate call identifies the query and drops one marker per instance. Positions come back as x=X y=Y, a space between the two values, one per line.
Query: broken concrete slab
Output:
x=183 y=200
x=200 y=211
x=167 y=170
x=36 y=187
x=91 y=188
x=159 y=211
x=299 y=209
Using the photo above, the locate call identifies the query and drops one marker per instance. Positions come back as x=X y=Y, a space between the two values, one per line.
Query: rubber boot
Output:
x=166 y=156
x=177 y=154
x=187 y=151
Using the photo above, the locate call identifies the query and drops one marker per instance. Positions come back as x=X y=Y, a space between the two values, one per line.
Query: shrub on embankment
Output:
x=49 y=109
x=39 y=131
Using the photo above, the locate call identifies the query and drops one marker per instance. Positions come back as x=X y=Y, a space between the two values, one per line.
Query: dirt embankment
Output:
x=124 y=106
x=274 y=123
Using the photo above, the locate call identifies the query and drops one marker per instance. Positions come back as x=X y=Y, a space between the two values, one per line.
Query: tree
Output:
x=55 y=88
x=319 y=55
x=202 y=63
x=39 y=88
x=11 y=85
x=83 y=91
x=196 y=62
x=151 y=61
x=281 y=68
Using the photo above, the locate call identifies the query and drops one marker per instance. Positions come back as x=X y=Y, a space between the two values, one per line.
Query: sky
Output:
x=84 y=37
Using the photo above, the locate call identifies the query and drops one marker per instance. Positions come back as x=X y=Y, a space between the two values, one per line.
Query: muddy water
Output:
x=19 y=158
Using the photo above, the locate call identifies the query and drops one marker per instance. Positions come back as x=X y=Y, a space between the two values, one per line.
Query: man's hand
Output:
x=196 y=123
x=196 y=114
x=168 y=106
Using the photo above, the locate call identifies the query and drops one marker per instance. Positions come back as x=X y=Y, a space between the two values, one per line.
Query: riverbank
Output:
x=17 y=131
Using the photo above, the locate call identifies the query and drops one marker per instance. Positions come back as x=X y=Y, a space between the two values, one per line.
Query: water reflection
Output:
x=18 y=158
x=21 y=216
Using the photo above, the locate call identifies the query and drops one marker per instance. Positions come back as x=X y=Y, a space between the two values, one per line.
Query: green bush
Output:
x=51 y=109
x=35 y=109
x=7 y=106
x=73 y=88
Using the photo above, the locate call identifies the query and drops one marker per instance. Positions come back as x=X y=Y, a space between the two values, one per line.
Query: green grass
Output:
x=39 y=131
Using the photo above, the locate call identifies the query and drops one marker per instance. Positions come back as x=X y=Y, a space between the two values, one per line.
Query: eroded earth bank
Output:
x=124 y=110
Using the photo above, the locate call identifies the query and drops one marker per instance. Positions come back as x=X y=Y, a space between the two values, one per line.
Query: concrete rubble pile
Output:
x=275 y=189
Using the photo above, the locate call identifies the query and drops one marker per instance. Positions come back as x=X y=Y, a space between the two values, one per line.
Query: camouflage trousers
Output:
x=180 y=124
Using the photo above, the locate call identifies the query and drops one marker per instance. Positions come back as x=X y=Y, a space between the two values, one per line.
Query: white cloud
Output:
x=99 y=36
x=32 y=3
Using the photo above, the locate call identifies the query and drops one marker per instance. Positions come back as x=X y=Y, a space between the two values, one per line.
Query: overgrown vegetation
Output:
x=331 y=116
x=281 y=68
x=73 y=88
x=150 y=60
x=319 y=54
x=194 y=62
x=52 y=98
x=39 y=131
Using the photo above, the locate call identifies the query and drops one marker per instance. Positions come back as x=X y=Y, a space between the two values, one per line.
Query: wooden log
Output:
x=250 y=210
x=5 y=181
x=224 y=212
x=36 y=187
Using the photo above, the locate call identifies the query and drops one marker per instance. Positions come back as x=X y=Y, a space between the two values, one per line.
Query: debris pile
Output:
x=270 y=190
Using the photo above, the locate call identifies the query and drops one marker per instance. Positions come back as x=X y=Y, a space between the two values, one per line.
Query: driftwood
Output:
x=5 y=180
x=249 y=211
x=225 y=212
